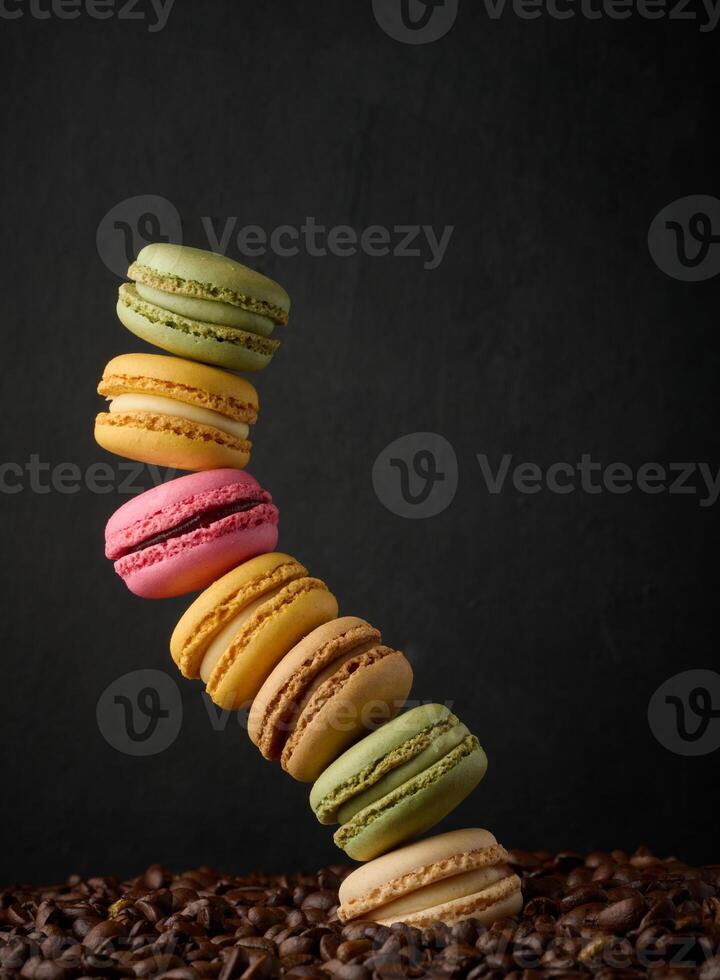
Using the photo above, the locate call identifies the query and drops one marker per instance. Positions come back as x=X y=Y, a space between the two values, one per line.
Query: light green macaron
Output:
x=203 y=306
x=399 y=781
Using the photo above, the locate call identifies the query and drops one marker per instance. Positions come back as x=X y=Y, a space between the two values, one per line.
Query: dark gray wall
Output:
x=546 y=332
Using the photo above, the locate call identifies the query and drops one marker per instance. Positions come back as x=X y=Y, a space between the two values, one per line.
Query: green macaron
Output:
x=203 y=306
x=398 y=781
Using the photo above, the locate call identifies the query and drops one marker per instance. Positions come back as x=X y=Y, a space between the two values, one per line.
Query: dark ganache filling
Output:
x=205 y=519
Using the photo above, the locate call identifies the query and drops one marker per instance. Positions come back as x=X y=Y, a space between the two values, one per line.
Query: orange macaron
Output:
x=175 y=413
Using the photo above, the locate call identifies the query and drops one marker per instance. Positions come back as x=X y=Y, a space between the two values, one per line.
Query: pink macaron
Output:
x=182 y=535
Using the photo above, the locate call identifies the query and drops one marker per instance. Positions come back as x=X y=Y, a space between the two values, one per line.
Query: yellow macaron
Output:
x=235 y=632
x=175 y=413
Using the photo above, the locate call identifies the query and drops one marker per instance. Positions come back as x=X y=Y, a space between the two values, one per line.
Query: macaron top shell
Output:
x=223 y=600
x=160 y=501
x=183 y=381
x=163 y=512
x=206 y=275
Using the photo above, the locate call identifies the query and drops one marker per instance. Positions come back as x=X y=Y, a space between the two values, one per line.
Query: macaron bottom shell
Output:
x=224 y=346
x=195 y=565
x=487 y=894
x=164 y=440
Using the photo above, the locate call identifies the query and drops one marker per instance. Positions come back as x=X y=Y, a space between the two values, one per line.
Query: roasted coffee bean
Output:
x=321 y=899
x=622 y=916
x=256 y=942
x=262 y=918
x=582 y=895
x=328 y=947
x=101 y=935
x=308 y=971
x=350 y=971
x=295 y=945
x=465 y=932
x=151 y=966
x=353 y=948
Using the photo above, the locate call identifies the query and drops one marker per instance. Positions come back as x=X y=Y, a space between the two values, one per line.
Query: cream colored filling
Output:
x=159 y=405
x=227 y=634
x=439 y=892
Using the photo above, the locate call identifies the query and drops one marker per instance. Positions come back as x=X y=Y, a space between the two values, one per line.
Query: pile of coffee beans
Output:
x=608 y=914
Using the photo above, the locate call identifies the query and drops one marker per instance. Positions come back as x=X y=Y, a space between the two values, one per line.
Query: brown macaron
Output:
x=334 y=685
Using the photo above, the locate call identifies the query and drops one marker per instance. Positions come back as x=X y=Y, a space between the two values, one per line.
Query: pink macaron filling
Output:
x=182 y=535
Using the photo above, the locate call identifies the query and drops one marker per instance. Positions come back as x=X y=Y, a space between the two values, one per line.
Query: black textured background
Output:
x=547 y=332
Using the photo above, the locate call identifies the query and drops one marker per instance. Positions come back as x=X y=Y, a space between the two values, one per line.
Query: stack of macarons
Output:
x=324 y=693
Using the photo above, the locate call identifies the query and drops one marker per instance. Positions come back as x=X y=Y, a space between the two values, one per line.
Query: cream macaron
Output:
x=175 y=413
x=459 y=875
x=237 y=630
x=334 y=685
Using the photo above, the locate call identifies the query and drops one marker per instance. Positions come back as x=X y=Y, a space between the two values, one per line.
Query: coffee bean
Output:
x=153 y=965
x=622 y=916
x=352 y=948
x=154 y=877
x=256 y=942
x=308 y=971
x=582 y=895
x=262 y=918
x=350 y=971
x=293 y=960
x=295 y=945
x=524 y=859
x=321 y=899
x=357 y=930
x=101 y=935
